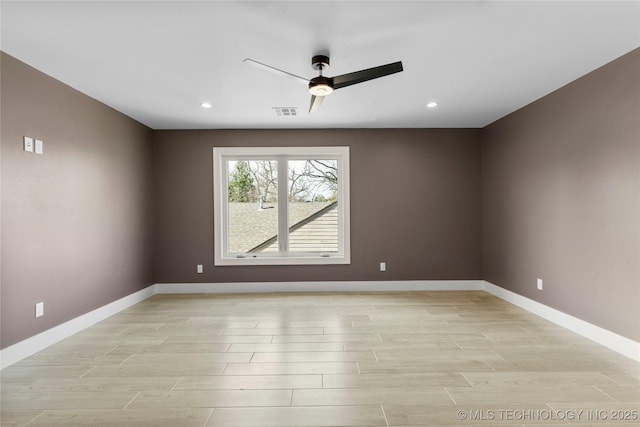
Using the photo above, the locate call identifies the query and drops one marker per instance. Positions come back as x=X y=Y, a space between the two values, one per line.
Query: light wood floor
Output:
x=370 y=359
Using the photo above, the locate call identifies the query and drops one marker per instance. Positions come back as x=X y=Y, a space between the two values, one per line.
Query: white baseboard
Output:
x=32 y=345
x=611 y=340
x=360 y=286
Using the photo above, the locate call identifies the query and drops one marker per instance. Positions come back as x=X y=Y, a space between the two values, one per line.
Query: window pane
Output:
x=313 y=205
x=252 y=206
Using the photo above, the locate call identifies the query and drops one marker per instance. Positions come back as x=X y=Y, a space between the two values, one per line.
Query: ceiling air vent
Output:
x=286 y=111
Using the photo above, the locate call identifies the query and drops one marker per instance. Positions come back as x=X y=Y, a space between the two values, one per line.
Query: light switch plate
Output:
x=28 y=144
x=39 y=146
x=40 y=309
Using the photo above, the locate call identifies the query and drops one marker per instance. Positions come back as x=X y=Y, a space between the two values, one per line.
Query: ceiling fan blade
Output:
x=364 y=75
x=273 y=69
x=316 y=102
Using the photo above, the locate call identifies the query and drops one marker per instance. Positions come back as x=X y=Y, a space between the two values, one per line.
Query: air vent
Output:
x=286 y=111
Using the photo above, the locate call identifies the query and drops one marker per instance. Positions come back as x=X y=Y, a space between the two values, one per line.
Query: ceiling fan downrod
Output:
x=320 y=86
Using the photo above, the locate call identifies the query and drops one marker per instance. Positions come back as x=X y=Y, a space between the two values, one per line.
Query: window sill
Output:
x=302 y=260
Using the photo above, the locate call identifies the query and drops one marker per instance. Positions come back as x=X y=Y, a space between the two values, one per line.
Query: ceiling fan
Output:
x=321 y=86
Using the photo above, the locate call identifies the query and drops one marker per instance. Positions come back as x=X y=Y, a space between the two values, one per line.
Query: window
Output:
x=281 y=205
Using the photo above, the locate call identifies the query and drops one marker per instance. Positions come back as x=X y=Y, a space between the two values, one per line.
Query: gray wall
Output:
x=561 y=197
x=77 y=222
x=415 y=200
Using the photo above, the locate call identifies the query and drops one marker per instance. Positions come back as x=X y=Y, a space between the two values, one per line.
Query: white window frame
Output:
x=221 y=156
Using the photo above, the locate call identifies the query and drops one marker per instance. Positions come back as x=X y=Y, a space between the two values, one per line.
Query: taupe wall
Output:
x=561 y=180
x=77 y=221
x=415 y=203
x=551 y=191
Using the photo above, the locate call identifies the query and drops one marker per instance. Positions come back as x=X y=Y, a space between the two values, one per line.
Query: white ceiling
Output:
x=156 y=61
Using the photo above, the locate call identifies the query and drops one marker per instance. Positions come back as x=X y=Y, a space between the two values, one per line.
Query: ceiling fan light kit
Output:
x=321 y=86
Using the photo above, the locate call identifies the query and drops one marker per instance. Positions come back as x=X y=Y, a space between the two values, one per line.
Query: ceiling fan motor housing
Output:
x=320 y=62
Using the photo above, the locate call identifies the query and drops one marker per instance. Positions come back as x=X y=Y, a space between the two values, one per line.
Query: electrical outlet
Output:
x=383 y=266
x=539 y=284
x=199 y=269
x=40 y=309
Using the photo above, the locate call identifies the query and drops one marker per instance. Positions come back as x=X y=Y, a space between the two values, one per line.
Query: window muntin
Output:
x=281 y=205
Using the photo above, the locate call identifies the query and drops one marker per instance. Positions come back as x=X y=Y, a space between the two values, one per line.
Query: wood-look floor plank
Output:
x=521 y=394
x=211 y=399
x=157 y=370
x=306 y=324
x=285 y=368
x=287 y=347
x=532 y=379
x=324 y=416
x=431 y=379
x=249 y=382
x=220 y=323
x=18 y=418
x=101 y=384
x=177 y=328
x=326 y=338
x=78 y=349
x=407 y=328
x=62 y=359
x=149 y=417
x=151 y=359
x=422 y=347
x=70 y=400
x=150 y=338
x=368 y=367
x=627 y=377
x=412 y=354
x=128 y=350
x=14 y=385
x=273 y=331
x=372 y=396
x=542 y=365
x=55 y=371
x=622 y=393
x=225 y=339
x=314 y=356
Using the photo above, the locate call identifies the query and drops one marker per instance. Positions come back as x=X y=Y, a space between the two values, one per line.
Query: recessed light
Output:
x=205 y=105
x=432 y=104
